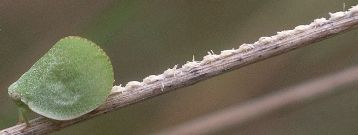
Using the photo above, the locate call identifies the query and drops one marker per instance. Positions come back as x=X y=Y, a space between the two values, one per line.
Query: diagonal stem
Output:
x=210 y=66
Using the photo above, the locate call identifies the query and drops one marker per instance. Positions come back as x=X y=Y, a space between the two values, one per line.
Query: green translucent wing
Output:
x=70 y=80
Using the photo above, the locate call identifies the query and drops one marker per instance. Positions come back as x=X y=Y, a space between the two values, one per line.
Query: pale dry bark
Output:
x=338 y=23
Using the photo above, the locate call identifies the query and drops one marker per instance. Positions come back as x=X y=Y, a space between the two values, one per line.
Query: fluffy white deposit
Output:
x=212 y=57
x=353 y=10
x=337 y=15
x=153 y=78
x=133 y=84
x=170 y=72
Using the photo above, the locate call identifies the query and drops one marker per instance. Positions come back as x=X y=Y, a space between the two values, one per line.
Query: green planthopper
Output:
x=73 y=78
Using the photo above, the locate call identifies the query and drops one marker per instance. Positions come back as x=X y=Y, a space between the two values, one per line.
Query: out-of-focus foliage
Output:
x=147 y=37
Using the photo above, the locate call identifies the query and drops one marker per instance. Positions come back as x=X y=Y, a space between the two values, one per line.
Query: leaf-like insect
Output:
x=73 y=78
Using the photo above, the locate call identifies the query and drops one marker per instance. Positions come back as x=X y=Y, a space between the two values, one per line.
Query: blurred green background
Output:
x=144 y=37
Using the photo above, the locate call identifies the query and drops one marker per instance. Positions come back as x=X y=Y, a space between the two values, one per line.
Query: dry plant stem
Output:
x=253 y=109
x=261 y=50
